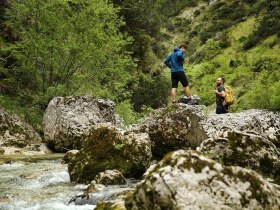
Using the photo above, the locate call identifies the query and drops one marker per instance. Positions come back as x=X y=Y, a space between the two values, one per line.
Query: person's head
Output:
x=183 y=47
x=220 y=81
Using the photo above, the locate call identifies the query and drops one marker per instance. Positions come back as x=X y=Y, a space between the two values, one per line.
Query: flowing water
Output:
x=38 y=185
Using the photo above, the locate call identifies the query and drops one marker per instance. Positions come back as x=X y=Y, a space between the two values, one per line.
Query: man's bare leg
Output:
x=173 y=93
x=187 y=91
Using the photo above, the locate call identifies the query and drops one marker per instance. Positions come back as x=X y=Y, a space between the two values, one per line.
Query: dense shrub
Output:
x=233 y=63
x=172 y=8
x=150 y=91
x=126 y=112
x=269 y=24
x=275 y=97
x=263 y=64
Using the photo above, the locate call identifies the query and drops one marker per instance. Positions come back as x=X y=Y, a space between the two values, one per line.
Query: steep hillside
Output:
x=114 y=49
x=231 y=39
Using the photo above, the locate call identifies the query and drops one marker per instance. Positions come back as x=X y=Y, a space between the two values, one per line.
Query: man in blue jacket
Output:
x=175 y=62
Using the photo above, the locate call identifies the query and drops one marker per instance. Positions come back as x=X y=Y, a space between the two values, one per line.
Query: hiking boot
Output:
x=187 y=98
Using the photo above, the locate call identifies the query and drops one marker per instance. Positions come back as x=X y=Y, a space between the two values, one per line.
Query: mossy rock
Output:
x=106 y=148
x=175 y=127
x=15 y=132
x=110 y=206
x=188 y=180
x=246 y=150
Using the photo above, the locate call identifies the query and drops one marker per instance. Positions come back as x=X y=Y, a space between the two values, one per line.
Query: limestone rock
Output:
x=187 y=180
x=17 y=135
x=245 y=150
x=107 y=148
x=66 y=119
x=110 y=177
x=111 y=197
x=260 y=122
x=94 y=187
x=70 y=155
x=113 y=204
x=249 y=139
x=175 y=127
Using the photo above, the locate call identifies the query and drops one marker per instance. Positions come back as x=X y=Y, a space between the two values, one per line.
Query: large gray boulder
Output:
x=186 y=180
x=106 y=148
x=249 y=139
x=245 y=150
x=17 y=136
x=260 y=122
x=175 y=127
x=187 y=126
x=66 y=119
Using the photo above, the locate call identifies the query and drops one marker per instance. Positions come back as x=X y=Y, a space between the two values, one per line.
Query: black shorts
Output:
x=177 y=77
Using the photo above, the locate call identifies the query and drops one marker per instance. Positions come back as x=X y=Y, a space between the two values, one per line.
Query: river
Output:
x=41 y=183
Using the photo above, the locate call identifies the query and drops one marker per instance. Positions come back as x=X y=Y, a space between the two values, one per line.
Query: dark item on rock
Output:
x=193 y=100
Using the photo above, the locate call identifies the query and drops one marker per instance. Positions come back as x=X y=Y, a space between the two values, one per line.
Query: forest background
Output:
x=115 y=49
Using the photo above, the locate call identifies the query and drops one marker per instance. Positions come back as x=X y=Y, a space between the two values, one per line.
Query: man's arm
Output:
x=167 y=61
x=222 y=93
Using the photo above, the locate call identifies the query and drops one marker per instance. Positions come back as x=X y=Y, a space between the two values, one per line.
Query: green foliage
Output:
x=64 y=48
x=57 y=44
x=275 y=97
x=263 y=64
x=268 y=23
x=225 y=40
x=150 y=91
x=143 y=21
x=125 y=110
x=211 y=49
x=254 y=76
x=172 y=8
x=23 y=106
x=113 y=50
x=263 y=95
x=119 y=146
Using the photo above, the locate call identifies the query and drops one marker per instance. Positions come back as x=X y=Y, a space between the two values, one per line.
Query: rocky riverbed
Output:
x=184 y=158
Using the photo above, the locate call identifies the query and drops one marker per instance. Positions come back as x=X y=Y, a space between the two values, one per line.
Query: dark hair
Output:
x=183 y=45
x=223 y=79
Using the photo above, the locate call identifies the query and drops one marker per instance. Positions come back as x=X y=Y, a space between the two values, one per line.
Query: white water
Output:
x=44 y=185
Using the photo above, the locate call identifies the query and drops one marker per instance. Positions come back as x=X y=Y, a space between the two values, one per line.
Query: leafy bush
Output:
x=251 y=41
x=172 y=8
x=125 y=110
x=233 y=63
x=268 y=24
x=222 y=39
x=263 y=64
x=150 y=91
x=275 y=97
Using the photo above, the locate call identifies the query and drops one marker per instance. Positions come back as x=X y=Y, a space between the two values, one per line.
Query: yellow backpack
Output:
x=229 y=98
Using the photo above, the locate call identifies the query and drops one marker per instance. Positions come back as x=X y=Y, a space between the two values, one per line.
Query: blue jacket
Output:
x=175 y=60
